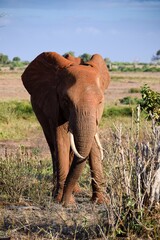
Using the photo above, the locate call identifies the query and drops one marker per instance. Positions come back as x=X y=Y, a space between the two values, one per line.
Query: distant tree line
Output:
x=154 y=66
x=125 y=66
x=15 y=62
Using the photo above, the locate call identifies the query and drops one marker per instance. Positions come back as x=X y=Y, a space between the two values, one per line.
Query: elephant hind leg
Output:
x=49 y=132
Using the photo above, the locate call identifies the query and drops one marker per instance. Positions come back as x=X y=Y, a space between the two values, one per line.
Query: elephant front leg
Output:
x=72 y=178
x=77 y=188
x=98 y=183
x=62 y=160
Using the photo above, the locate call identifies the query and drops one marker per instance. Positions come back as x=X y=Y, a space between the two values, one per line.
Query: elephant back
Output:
x=75 y=60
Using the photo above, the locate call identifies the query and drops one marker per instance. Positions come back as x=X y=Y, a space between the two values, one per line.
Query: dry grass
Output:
x=27 y=209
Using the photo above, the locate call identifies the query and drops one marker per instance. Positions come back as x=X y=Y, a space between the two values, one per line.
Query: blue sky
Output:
x=125 y=30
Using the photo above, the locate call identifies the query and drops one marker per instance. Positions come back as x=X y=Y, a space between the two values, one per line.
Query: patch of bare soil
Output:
x=122 y=83
x=82 y=221
x=11 y=87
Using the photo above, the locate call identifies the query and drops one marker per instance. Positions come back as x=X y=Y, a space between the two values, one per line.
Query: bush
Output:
x=134 y=90
x=150 y=103
x=23 y=109
x=129 y=100
x=12 y=67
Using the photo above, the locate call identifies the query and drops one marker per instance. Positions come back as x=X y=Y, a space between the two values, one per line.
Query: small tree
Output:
x=108 y=63
x=16 y=59
x=156 y=58
x=69 y=53
x=3 y=59
x=85 y=56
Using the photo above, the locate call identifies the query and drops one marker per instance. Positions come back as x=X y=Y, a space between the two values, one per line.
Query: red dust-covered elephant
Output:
x=67 y=96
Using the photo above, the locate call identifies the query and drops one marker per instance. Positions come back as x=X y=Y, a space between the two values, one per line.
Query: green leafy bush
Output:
x=150 y=103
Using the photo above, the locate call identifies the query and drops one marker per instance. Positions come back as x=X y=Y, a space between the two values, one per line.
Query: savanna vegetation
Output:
x=16 y=62
x=131 y=138
x=153 y=66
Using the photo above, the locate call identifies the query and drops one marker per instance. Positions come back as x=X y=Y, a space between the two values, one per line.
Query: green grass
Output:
x=113 y=114
x=15 y=109
x=116 y=111
x=17 y=120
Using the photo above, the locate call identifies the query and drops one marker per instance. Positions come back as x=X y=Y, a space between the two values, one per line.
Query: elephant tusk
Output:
x=73 y=146
x=99 y=145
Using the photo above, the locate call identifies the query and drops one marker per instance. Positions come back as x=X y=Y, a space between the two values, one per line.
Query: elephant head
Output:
x=76 y=60
x=67 y=90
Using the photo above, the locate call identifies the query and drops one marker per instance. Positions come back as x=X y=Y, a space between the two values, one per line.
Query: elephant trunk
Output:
x=83 y=129
x=73 y=146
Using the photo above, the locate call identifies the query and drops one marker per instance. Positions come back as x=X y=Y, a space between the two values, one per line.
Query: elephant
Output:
x=77 y=60
x=67 y=96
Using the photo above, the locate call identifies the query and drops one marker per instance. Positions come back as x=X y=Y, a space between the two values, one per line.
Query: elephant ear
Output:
x=40 y=77
x=99 y=64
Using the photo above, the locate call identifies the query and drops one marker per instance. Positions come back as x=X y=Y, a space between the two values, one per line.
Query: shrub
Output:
x=134 y=90
x=23 y=109
x=150 y=103
x=129 y=100
x=12 y=67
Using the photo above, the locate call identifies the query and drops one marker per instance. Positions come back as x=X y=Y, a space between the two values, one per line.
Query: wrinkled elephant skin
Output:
x=67 y=96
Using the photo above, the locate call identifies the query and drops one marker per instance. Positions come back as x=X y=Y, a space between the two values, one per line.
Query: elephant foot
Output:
x=100 y=198
x=71 y=202
x=77 y=189
x=58 y=197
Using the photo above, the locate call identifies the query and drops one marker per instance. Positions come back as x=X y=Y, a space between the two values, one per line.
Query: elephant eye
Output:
x=100 y=102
